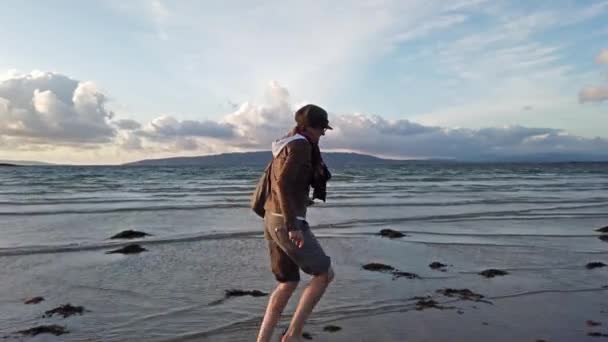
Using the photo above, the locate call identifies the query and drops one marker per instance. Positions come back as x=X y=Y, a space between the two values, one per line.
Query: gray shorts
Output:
x=286 y=259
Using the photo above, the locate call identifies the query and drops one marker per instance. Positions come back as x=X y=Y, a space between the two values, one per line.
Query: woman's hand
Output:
x=297 y=238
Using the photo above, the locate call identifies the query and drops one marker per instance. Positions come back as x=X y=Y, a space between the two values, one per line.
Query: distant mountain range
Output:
x=260 y=158
x=549 y=157
x=21 y=163
x=340 y=159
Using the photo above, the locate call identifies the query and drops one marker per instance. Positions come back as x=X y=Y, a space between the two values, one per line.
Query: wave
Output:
x=244 y=203
x=66 y=248
x=128 y=209
x=487 y=215
x=324 y=231
x=479 y=244
x=457 y=203
x=75 y=201
x=487 y=235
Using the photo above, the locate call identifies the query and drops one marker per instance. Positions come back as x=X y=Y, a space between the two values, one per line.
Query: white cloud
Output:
x=476 y=46
x=127 y=124
x=378 y=136
x=593 y=94
x=435 y=24
x=602 y=57
x=186 y=144
x=464 y=4
x=253 y=126
x=317 y=49
x=128 y=141
x=591 y=11
x=11 y=73
x=256 y=125
x=42 y=107
x=166 y=127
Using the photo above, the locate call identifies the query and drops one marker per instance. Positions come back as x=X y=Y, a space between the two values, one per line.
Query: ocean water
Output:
x=535 y=220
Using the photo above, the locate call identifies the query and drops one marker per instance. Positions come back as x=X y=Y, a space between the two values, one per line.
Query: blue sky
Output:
x=467 y=64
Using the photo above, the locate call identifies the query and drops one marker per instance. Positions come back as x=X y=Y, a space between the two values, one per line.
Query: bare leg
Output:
x=277 y=302
x=310 y=297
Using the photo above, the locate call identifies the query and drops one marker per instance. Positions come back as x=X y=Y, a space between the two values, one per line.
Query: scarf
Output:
x=320 y=174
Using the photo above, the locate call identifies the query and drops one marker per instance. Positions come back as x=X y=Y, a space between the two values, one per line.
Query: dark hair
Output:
x=311 y=116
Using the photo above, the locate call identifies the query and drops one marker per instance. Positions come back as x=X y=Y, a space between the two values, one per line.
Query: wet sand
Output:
x=177 y=291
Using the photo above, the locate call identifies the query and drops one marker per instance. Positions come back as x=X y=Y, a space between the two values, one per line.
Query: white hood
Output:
x=278 y=144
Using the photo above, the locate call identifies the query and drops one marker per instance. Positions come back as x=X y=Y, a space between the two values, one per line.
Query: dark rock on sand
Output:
x=374 y=266
x=463 y=294
x=240 y=293
x=602 y=230
x=420 y=298
x=591 y=323
x=597 y=334
x=65 y=310
x=377 y=267
x=33 y=300
x=491 y=273
x=408 y=275
x=44 y=329
x=332 y=328
x=603 y=237
x=595 y=264
x=485 y=323
x=437 y=265
x=389 y=233
x=427 y=303
x=130 y=249
x=130 y=234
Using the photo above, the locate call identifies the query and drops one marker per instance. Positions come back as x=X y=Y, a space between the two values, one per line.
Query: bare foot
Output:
x=286 y=338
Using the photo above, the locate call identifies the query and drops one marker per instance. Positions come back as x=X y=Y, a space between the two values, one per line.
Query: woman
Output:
x=297 y=164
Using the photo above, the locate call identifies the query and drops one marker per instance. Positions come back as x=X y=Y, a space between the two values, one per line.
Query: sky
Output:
x=108 y=82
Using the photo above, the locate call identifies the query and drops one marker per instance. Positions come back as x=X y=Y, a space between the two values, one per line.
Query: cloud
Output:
x=435 y=24
x=166 y=127
x=127 y=124
x=257 y=125
x=378 y=136
x=46 y=107
x=129 y=141
x=253 y=126
x=591 y=11
x=602 y=57
x=593 y=94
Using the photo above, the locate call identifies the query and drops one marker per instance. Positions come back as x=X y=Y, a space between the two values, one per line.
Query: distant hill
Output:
x=549 y=157
x=333 y=159
x=21 y=163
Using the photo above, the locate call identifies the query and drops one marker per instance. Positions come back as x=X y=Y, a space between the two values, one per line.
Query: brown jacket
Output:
x=290 y=178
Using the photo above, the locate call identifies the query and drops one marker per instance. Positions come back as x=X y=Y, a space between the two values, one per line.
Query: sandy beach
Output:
x=539 y=227
x=546 y=295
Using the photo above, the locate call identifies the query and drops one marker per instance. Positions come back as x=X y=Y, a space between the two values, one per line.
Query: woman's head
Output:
x=312 y=120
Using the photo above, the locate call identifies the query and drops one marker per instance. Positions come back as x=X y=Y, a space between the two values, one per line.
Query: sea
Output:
x=535 y=220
